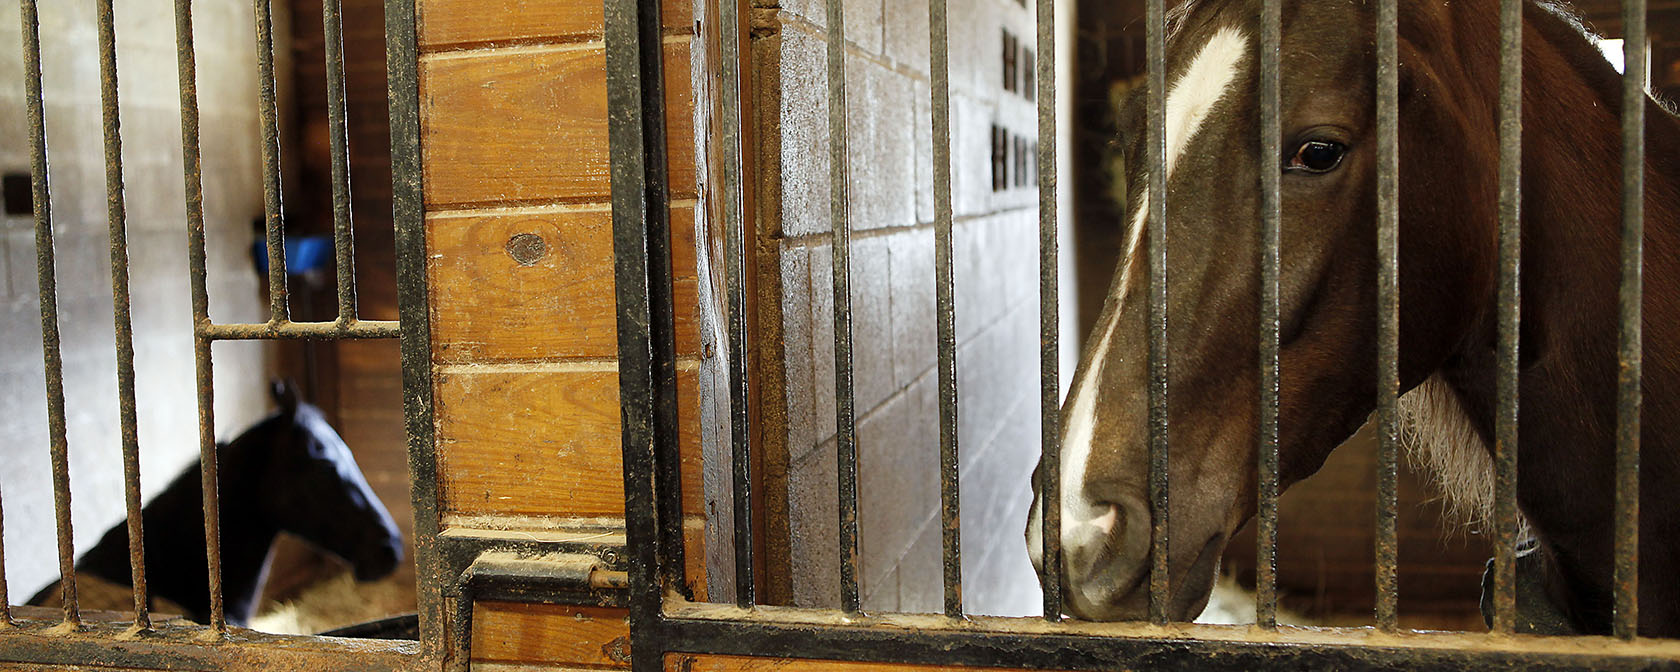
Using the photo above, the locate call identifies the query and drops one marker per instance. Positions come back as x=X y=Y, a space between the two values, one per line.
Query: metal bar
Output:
x=1033 y=644
x=47 y=283
x=734 y=225
x=192 y=173
x=635 y=104
x=338 y=140
x=1507 y=381
x=273 y=216
x=1159 y=582
x=5 y=596
x=1049 y=317
x=1625 y=623
x=1265 y=589
x=120 y=303
x=950 y=521
x=287 y=330
x=402 y=63
x=662 y=301
x=1388 y=309
x=845 y=441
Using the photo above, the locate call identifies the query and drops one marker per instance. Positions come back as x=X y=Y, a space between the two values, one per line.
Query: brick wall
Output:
x=157 y=244
x=891 y=211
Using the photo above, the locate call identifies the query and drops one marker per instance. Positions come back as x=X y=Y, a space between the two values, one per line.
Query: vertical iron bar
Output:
x=338 y=139
x=845 y=418
x=192 y=173
x=734 y=225
x=124 y=328
x=5 y=595
x=1159 y=585
x=1049 y=315
x=402 y=63
x=668 y=458
x=634 y=106
x=273 y=217
x=1265 y=589
x=1507 y=383
x=1388 y=309
x=939 y=83
x=1628 y=398
x=47 y=281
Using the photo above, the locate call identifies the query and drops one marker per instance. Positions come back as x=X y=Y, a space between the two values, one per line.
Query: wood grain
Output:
x=445 y=24
x=529 y=125
x=678 y=662
x=551 y=633
x=488 y=306
x=544 y=441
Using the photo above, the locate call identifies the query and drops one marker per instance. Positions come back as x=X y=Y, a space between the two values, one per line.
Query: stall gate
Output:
x=535 y=148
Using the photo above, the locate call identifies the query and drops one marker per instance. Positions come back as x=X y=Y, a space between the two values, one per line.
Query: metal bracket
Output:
x=535 y=578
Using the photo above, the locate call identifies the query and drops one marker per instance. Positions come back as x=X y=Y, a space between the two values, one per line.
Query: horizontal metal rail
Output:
x=285 y=330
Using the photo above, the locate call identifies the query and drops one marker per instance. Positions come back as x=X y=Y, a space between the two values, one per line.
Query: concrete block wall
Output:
x=157 y=255
x=893 y=307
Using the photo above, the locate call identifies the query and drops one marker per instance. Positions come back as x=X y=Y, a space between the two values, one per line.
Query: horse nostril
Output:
x=1106 y=555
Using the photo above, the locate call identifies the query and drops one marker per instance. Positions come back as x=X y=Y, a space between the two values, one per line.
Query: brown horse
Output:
x=1571 y=189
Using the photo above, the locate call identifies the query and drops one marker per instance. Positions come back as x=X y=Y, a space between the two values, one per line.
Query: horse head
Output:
x=1327 y=286
x=312 y=487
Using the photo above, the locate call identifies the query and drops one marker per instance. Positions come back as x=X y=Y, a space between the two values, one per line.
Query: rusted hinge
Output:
x=539 y=578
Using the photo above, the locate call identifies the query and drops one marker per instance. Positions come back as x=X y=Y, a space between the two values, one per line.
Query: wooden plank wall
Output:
x=519 y=247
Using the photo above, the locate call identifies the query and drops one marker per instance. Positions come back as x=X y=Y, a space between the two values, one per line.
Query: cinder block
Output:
x=813 y=519
x=872 y=347
x=907 y=32
x=898 y=469
x=914 y=325
x=923 y=130
x=921 y=576
x=804 y=134
x=971 y=152
x=879 y=124
x=863 y=19
x=796 y=338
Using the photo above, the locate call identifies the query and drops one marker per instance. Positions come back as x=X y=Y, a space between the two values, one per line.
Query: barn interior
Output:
x=1326 y=536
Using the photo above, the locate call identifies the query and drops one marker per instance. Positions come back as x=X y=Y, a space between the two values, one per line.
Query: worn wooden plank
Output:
x=679 y=662
x=456 y=24
x=536 y=284
x=551 y=633
x=529 y=125
x=544 y=440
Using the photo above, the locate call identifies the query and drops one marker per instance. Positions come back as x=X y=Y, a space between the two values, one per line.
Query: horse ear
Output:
x=285 y=393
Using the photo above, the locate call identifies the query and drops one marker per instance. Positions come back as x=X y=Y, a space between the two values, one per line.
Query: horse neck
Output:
x=175 y=548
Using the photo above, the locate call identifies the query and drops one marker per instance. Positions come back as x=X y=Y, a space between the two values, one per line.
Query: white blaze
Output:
x=1189 y=99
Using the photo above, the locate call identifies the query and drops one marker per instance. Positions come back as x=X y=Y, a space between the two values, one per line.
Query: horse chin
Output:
x=1190 y=598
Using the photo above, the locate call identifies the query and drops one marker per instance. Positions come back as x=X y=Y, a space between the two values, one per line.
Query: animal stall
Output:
x=721 y=350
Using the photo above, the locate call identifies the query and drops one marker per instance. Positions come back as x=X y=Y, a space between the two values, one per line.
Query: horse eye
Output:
x=1317 y=156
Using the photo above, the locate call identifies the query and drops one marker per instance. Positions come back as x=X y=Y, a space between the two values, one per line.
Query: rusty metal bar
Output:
x=273 y=216
x=734 y=225
x=192 y=174
x=47 y=283
x=1159 y=582
x=287 y=330
x=338 y=140
x=1507 y=380
x=950 y=522
x=1049 y=316
x=845 y=441
x=1266 y=524
x=1388 y=309
x=1625 y=622
x=5 y=595
x=120 y=303
x=635 y=127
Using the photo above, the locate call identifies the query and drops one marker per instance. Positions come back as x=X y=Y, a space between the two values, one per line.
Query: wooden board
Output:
x=446 y=24
x=544 y=441
x=554 y=300
x=529 y=125
x=551 y=633
x=681 y=662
